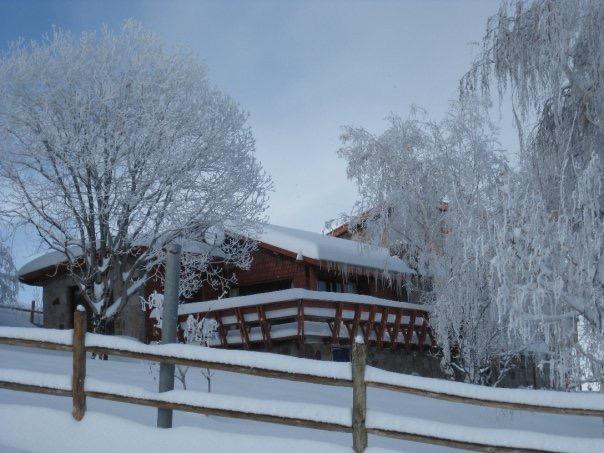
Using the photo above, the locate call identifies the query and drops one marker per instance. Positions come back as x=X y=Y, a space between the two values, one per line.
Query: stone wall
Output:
x=60 y=299
x=57 y=304
x=400 y=361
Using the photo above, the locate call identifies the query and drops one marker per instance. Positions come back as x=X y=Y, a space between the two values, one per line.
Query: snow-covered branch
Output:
x=113 y=147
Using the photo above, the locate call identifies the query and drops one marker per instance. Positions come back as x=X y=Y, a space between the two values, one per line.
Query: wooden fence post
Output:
x=359 y=395
x=31 y=314
x=79 y=363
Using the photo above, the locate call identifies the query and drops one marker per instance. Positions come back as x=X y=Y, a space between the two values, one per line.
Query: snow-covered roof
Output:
x=292 y=294
x=45 y=260
x=343 y=252
x=304 y=244
x=49 y=259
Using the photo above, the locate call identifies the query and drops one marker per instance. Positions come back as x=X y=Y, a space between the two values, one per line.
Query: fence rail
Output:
x=32 y=311
x=357 y=375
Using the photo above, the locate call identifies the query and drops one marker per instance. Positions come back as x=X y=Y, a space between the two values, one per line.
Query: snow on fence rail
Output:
x=307 y=370
x=359 y=421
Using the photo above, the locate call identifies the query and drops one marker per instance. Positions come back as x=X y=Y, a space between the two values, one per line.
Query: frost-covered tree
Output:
x=112 y=147
x=432 y=189
x=9 y=285
x=397 y=172
x=198 y=331
x=550 y=246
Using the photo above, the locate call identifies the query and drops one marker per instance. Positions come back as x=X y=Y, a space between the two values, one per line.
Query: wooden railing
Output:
x=359 y=421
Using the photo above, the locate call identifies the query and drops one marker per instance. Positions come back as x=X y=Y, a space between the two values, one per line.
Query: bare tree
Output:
x=112 y=147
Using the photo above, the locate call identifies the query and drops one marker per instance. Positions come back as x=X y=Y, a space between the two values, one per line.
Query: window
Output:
x=264 y=287
x=336 y=286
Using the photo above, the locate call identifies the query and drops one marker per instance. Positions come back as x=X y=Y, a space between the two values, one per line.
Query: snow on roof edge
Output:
x=345 y=252
x=292 y=294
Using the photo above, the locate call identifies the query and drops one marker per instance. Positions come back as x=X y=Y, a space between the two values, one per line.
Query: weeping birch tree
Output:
x=113 y=147
x=549 y=262
x=432 y=189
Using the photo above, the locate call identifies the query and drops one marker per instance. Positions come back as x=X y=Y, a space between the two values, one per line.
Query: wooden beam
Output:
x=335 y=337
x=443 y=441
x=242 y=369
x=432 y=337
x=383 y=323
x=359 y=397
x=265 y=326
x=396 y=329
x=220 y=412
x=78 y=375
x=422 y=335
x=370 y=323
x=355 y=322
x=245 y=339
x=35 y=344
x=222 y=332
x=36 y=388
x=410 y=327
x=300 y=323
x=348 y=326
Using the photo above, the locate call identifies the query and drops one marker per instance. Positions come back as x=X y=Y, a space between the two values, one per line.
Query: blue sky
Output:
x=301 y=69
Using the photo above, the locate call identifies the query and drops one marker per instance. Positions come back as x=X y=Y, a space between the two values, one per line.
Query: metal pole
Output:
x=31 y=314
x=168 y=327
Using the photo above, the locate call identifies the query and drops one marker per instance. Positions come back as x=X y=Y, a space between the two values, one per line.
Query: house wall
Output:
x=267 y=266
x=59 y=304
x=270 y=266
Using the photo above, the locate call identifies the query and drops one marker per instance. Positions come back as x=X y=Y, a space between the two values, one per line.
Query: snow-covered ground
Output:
x=40 y=419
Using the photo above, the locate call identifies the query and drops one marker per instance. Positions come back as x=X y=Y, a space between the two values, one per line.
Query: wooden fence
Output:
x=32 y=312
x=358 y=376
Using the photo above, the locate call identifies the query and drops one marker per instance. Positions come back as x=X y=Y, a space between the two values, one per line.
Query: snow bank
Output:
x=62 y=337
x=263 y=360
x=312 y=412
x=497 y=437
x=293 y=294
x=40 y=429
x=328 y=248
x=561 y=400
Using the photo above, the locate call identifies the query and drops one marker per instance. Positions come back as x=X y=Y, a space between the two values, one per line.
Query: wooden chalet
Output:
x=305 y=294
x=309 y=295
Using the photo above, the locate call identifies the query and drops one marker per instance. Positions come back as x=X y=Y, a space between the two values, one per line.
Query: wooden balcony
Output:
x=301 y=314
